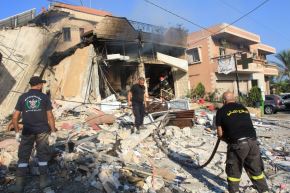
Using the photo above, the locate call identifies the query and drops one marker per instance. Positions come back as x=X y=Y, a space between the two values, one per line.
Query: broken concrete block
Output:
x=5 y=158
x=154 y=183
x=97 y=184
x=164 y=190
x=84 y=168
x=109 y=181
x=173 y=130
x=66 y=126
x=136 y=139
x=106 y=138
x=110 y=106
x=187 y=131
x=126 y=156
x=99 y=119
x=110 y=98
x=9 y=145
x=124 y=133
x=70 y=156
x=165 y=173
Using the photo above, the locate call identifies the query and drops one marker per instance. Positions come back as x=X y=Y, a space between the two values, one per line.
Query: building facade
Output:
x=229 y=45
x=86 y=55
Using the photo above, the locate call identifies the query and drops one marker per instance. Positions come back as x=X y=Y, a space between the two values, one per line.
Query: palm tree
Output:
x=284 y=58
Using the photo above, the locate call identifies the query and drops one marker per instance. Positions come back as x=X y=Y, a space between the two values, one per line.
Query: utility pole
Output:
x=236 y=71
x=237 y=77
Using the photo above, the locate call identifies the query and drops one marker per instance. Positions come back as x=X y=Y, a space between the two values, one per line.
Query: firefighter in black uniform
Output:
x=235 y=127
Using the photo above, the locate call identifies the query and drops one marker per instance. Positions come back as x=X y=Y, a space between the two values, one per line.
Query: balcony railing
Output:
x=271 y=70
x=144 y=27
x=253 y=65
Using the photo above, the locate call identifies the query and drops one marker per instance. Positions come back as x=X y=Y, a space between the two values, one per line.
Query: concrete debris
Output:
x=9 y=145
x=5 y=158
x=96 y=152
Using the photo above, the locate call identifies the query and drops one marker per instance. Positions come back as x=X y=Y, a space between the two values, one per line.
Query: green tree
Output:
x=255 y=95
x=199 y=90
x=284 y=58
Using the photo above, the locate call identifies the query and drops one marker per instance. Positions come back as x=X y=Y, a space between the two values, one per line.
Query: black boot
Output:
x=132 y=130
x=18 y=186
x=138 y=130
x=21 y=174
x=44 y=180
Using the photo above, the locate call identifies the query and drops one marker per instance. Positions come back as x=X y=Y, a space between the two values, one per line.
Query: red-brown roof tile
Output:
x=83 y=9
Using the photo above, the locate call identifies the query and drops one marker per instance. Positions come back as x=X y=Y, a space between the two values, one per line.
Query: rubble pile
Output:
x=96 y=152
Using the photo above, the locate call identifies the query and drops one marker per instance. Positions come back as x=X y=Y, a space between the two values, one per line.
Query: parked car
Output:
x=273 y=104
x=286 y=100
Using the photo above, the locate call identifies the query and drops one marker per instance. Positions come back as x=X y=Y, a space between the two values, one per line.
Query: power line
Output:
x=258 y=22
x=179 y=16
x=235 y=21
x=254 y=9
x=245 y=15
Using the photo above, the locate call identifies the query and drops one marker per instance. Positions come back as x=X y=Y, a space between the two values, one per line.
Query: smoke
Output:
x=150 y=14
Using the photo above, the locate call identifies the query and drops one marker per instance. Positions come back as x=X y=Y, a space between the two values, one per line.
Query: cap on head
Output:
x=141 y=78
x=35 y=80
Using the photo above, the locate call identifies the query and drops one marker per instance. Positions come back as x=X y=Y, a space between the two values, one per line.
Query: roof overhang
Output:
x=263 y=48
x=235 y=35
x=173 y=62
x=82 y=9
x=234 y=38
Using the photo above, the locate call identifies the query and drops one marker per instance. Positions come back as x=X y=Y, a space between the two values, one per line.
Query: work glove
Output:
x=52 y=138
x=17 y=136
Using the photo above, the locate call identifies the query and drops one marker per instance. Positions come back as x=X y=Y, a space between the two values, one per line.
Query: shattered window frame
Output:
x=194 y=55
x=66 y=34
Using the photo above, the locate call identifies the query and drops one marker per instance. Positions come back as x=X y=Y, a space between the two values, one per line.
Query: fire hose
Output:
x=169 y=153
x=211 y=156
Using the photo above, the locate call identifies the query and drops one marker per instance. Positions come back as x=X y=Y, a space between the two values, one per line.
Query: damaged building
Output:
x=89 y=59
x=86 y=55
x=207 y=51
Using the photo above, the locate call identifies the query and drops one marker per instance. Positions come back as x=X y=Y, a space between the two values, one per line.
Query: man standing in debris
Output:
x=234 y=126
x=165 y=89
x=38 y=126
x=136 y=98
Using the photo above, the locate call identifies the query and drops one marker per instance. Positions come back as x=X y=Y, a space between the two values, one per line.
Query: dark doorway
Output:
x=116 y=77
x=254 y=83
x=153 y=72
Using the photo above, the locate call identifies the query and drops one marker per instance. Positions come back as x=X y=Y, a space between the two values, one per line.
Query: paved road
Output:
x=283 y=115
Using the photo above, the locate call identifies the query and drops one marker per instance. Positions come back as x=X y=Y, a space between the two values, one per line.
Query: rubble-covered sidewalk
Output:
x=96 y=152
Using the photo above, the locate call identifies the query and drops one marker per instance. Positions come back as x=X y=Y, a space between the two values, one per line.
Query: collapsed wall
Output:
x=25 y=51
x=75 y=78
